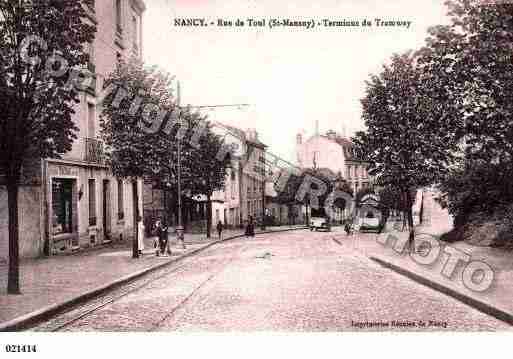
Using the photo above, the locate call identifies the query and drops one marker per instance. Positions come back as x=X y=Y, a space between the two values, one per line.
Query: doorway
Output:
x=106 y=211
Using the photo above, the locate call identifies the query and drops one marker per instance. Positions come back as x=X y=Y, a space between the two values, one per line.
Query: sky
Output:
x=291 y=77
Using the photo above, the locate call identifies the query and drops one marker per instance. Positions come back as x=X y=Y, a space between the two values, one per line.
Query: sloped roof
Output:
x=346 y=144
x=243 y=136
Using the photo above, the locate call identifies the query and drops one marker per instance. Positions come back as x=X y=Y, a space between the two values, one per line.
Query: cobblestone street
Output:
x=295 y=281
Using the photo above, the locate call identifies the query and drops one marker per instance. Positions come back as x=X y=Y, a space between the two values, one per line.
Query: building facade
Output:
x=74 y=201
x=243 y=194
x=241 y=197
x=228 y=210
x=336 y=153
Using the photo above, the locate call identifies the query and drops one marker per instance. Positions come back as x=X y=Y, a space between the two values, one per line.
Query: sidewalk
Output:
x=53 y=281
x=496 y=301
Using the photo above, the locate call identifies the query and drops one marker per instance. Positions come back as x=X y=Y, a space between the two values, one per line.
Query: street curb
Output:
x=466 y=299
x=25 y=321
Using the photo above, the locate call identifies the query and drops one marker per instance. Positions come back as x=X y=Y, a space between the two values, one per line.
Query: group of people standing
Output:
x=161 y=230
x=161 y=243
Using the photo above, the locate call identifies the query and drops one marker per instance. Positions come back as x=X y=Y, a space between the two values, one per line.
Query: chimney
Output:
x=332 y=135
x=299 y=139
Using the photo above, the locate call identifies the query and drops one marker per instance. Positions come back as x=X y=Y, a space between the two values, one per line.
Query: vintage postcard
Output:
x=248 y=167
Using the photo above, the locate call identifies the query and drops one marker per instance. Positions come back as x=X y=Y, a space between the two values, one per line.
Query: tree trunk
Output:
x=135 y=199
x=167 y=215
x=411 y=237
x=13 y=281
x=209 y=215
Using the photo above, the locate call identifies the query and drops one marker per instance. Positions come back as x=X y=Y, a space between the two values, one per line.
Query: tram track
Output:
x=79 y=312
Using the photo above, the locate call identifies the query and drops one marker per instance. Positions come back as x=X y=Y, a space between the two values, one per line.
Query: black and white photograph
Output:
x=335 y=171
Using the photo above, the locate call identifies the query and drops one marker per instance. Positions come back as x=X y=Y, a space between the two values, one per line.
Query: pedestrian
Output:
x=251 y=226
x=219 y=229
x=161 y=232
x=163 y=238
x=347 y=227
x=140 y=235
x=156 y=233
x=247 y=229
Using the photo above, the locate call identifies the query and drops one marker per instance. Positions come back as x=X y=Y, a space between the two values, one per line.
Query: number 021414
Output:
x=16 y=348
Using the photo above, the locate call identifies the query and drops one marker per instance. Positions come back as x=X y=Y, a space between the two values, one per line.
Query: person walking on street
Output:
x=251 y=226
x=219 y=228
x=248 y=227
x=140 y=235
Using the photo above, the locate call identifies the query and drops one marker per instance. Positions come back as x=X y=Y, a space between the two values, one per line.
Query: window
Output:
x=92 y=202
x=121 y=205
x=119 y=28
x=91 y=120
x=62 y=221
x=233 y=182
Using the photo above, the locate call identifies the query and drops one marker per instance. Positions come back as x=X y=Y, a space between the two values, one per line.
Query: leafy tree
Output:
x=390 y=200
x=471 y=60
x=209 y=171
x=479 y=186
x=143 y=140
x=301 y=186
x=39 y=40
x=141 y=97
x=408 y=142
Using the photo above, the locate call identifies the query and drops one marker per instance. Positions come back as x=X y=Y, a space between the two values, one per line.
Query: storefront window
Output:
x=62 y=206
